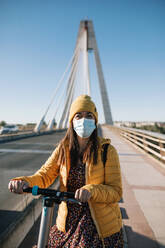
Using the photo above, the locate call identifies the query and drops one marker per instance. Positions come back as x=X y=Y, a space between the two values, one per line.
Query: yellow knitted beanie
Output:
x=83 y=103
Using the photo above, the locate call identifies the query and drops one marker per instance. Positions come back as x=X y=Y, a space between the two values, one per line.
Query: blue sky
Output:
x=37 y=39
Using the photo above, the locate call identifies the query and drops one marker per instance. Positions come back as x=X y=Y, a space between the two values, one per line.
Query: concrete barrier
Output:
x=17 y=231
x=8 y=138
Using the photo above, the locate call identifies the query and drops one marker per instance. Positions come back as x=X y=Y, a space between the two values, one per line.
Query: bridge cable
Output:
x=38 y=126
x=64 y=91
x=68 y=100
x=71 y=97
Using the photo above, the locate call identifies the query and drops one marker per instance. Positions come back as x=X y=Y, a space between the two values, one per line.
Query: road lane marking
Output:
x=25 y=151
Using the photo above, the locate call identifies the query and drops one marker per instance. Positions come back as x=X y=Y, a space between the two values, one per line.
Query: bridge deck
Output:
x=143 y=206
x=143 y=183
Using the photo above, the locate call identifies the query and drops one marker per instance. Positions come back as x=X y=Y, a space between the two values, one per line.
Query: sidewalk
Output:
x=143 y=206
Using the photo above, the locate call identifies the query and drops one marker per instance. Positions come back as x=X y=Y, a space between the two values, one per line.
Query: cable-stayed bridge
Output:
x=76 y=79
x=143 y=176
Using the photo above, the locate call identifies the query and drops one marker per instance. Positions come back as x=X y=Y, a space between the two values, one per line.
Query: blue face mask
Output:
x=84 y=127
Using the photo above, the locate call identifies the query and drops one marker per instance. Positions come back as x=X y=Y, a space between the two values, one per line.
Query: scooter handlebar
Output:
x=48 y=192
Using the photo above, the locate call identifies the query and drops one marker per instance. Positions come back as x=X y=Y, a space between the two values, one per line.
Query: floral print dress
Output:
x=80 y=228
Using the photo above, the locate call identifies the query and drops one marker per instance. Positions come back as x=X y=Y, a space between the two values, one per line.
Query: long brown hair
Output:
x=91 y=151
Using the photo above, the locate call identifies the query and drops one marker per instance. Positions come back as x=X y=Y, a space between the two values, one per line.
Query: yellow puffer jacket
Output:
x=103 y=183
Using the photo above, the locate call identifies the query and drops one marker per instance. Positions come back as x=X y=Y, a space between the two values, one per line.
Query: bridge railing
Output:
x=153 y=143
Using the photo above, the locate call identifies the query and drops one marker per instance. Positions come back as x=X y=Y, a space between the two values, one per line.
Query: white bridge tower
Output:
x=86 y=41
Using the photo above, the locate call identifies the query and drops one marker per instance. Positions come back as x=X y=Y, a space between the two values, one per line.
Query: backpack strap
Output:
x=104 y=153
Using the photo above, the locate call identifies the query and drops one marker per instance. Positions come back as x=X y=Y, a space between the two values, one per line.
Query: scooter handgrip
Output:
x=69 y=194
x=28 y=190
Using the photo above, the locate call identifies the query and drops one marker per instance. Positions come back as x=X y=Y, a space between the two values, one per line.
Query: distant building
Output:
x=138 y=124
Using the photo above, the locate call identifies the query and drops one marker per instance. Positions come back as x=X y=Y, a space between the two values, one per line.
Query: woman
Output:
x=78 y=161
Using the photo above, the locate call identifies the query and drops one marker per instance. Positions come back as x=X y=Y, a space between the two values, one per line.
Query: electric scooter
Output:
x=51 y=197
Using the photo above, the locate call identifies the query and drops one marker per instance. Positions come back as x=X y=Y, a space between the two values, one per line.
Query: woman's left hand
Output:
x=82 y=195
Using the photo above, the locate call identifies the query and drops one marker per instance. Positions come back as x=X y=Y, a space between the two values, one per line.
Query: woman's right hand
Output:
x=17 y=186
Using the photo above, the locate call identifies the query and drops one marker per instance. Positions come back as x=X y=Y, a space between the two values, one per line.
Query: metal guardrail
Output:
x=149 y=141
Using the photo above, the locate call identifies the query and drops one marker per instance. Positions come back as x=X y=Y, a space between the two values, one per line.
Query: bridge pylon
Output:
x=86 y=30
x=92 y=45
x=86 y=41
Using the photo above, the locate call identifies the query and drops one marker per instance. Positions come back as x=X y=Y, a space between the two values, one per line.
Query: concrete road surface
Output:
x=22 y=157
